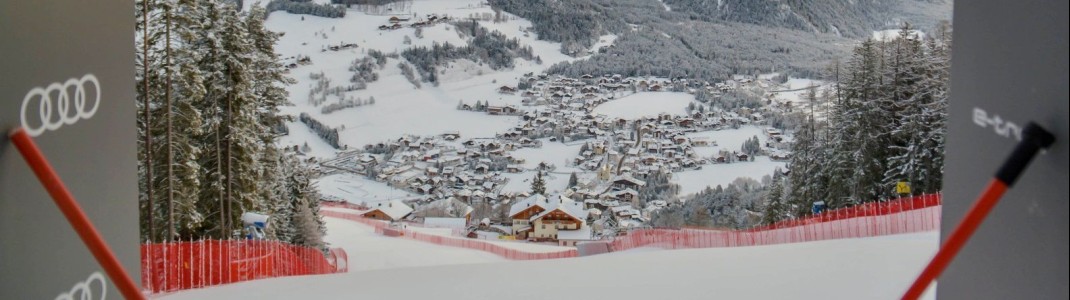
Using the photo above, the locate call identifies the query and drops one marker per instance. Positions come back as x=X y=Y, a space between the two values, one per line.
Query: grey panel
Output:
x=45 y=42
x=1010 y=61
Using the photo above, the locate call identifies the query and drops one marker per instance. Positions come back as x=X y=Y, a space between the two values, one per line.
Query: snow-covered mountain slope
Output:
x=870 y=268
x=399 y=107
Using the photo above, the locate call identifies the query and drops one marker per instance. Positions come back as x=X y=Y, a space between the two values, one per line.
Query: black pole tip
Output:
x=1034 y=139
x=1036 y=135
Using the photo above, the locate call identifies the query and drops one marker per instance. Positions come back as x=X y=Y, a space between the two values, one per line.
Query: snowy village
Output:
x=565 y=148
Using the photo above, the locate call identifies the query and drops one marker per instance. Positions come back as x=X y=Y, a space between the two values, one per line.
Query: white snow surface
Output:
x=521 y=182
x=869 y=268
x=796 y=89
x=728 y=139
x=552 y=153
x=370 y=251
x=891 y=34
x=645 y=104
x=301 y=135
x=603 y=41
x=722 y=174
x=400 y=108
x=357 y=189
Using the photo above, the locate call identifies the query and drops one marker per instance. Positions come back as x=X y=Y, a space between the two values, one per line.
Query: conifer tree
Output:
x=538 y=186
x=774 y=206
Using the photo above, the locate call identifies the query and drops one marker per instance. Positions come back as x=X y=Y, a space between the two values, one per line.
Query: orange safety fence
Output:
x=174 y=266
x=384 y=228
x=907 y=215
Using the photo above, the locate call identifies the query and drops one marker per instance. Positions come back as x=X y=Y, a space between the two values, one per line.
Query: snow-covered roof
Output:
x=521 y=205
x=557 y=202
x=624 y=192
x=629 y=178
x=565 y=205
x=395 y=209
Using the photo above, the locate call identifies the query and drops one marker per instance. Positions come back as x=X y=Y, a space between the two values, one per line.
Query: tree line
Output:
x=329 y=135
x=208 y=89
x=886 y=123
x=307 y=8
x=485 y=47
x=711 y=40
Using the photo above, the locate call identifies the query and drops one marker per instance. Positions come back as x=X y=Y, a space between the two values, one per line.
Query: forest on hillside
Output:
x=705 y=40
x=886 y=123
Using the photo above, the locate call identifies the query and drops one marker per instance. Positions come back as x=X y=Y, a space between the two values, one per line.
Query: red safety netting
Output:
x=907 y=215
x=185 y=265
x=474 y=244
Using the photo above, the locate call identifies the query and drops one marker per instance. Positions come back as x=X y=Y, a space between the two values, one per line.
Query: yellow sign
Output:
x=902 y=187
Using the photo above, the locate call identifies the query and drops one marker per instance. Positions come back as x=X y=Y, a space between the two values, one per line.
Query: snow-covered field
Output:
x=370 y=251
x=722 y=174
x=301 y=135
x=553 y=153
x=891 y=34
x=392 y=268
x=400 y=108
x=603 y=41
x=646 y=104
x=357 y=189
x=796 y=90
x=521 y=182
x=728 y=139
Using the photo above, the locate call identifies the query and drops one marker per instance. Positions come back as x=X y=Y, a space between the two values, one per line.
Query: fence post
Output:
x=203 y=261
x=192 y=267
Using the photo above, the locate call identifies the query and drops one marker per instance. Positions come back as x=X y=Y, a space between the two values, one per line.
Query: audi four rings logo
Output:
x=85 y=290
x=60 y=103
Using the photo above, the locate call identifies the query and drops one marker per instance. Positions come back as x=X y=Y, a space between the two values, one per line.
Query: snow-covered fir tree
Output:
x=774 y=204
x=886 y=123
x=210 y=79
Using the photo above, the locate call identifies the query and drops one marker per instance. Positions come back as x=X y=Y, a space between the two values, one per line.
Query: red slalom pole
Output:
x=1034 y=138
x=74 y=214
